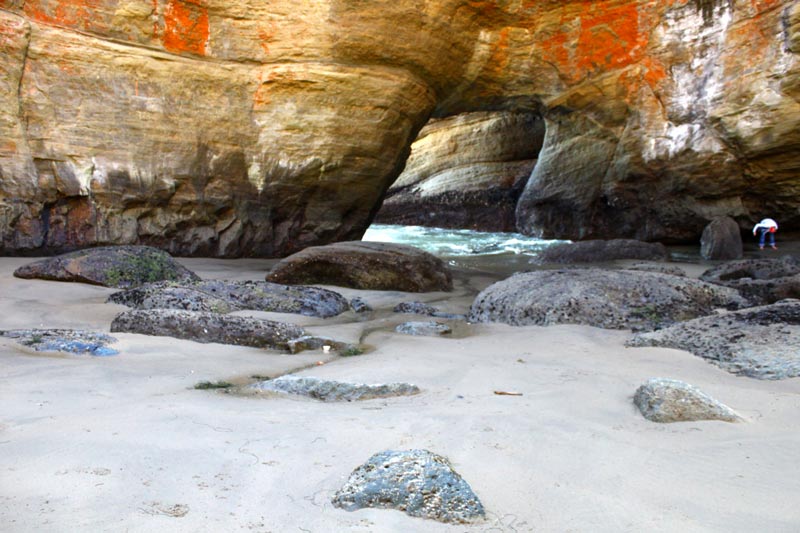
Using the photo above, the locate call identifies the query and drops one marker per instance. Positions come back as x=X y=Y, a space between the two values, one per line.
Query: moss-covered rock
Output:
x=110 y=266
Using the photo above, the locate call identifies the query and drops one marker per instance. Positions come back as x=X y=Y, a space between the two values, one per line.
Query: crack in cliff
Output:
x=23 y=121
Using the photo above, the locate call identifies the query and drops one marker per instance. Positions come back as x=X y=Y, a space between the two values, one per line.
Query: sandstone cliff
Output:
x=257 y=128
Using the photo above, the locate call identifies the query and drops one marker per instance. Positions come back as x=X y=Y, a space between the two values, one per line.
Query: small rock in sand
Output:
x=333 y=391
x=63 y=340
x=670 y=400
x=426 y=329
x=418 y=482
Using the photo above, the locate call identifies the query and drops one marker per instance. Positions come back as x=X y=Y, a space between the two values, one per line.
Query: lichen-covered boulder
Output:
x=417 y=482
x=332 y=391
x=221 y=296
x=759 y=342
x=761 y=281
x=613 y=299
x=208 y=327
x=365 y=265
x=670 y=400
x=721 y=240
x=598 y=251
x=110 y=266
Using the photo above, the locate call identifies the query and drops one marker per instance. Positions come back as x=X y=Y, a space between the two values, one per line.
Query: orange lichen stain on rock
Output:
x=595 y=38
x=610 y=38
x=498 y=61
x=266 y=35
x=77 y=14
x=186 y=27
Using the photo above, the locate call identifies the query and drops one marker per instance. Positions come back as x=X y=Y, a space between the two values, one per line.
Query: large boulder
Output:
x=417 y=482
x=365 y=265
x=759 y=342
x=110 y=266
x=761 y=281
x=466 y=171
x=671 y=400
x=223 y=296
x=598 y=251
x=721 y=240
x=613 y=299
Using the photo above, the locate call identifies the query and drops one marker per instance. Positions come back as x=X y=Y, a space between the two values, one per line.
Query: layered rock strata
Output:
x=466 y=171
x=243 y=128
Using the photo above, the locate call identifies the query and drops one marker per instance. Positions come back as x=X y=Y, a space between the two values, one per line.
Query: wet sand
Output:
x=125 y=443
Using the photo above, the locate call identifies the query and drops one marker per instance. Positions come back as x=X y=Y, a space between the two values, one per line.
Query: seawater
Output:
x=457 y=242
x=497 y=254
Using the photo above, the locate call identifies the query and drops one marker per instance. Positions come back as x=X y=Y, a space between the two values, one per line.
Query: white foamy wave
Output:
x=457 y=242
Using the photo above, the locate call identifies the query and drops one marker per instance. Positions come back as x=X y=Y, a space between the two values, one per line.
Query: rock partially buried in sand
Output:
x=612 y=299
x=420 y=308
x=670 y=400
x=333 y=391
x=598 y=251
x=365 y=265
x=424 y=329
x=63 y=340
x=208 y=327
x=311 y=342
x=759 y=342
x=220 y=296
x=761 y=281
x=418 y=482
x=110 y=266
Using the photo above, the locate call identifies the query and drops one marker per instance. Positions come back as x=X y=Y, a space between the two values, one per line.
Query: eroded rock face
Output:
x=466 y=171
x=759 y=342
x=606 y=299
x=239 y=128
x=762 y=281
x=365 y=265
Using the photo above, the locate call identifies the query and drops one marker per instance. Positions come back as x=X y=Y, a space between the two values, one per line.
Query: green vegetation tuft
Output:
x=351 y=351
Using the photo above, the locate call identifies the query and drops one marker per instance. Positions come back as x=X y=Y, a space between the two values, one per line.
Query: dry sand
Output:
x=125 y=443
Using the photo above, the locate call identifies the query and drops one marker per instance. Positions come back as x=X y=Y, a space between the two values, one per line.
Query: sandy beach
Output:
x=125 y=443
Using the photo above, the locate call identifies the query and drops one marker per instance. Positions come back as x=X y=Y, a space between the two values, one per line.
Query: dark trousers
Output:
x=762 y=234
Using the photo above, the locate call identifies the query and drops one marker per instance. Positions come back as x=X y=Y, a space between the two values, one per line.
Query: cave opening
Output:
x=458 y=193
